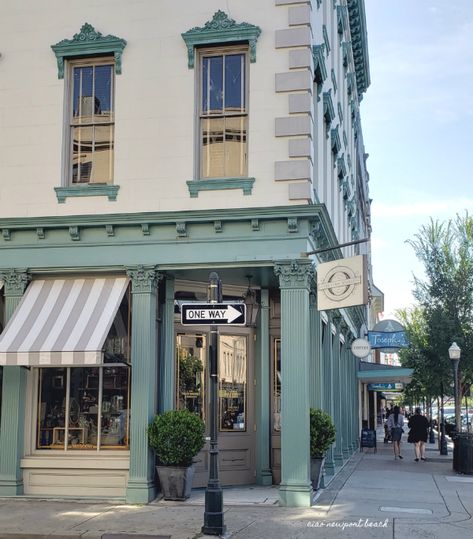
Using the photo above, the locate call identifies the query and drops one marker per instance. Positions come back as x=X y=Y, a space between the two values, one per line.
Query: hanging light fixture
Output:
x=252 y=305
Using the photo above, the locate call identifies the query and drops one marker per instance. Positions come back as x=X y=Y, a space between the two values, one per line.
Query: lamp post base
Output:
x=213 y=515
x=443 y=445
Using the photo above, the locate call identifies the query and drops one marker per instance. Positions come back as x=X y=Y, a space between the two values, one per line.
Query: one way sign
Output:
x=224 y=314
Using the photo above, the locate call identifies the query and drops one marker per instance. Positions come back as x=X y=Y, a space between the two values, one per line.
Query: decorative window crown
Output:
x=88 y=42
x=221 y=29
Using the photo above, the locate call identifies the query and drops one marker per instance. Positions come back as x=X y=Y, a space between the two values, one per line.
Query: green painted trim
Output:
x=347 y=52
x=88 y=42
x=335 y=140
x=329 y=111
x=87 y=190
x=221 y=29
x=320 y=69
x=264 y=475
x=334 y=81
x=384 y=373
x=341 y=167
x=169 y=357
x=217 y=184
x=341 y=19
x=326 y=39
x=162 y=218
x=350 y=83
x=340 y=112
x=359 y=38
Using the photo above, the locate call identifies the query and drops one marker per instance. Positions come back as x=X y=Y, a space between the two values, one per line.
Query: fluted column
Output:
x=315 y=386
x=347 y=402
x=264 y=474
x=295 y=489
x=337 y=394
x=144 y=279
x=13 y=397
x=357 y=402
x=168 y=364
x=328 y=390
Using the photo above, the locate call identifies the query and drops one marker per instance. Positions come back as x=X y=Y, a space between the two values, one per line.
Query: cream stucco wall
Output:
x=155 y=143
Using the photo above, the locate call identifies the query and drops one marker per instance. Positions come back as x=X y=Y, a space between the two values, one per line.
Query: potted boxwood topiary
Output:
x=176 y=437
x=322 y=436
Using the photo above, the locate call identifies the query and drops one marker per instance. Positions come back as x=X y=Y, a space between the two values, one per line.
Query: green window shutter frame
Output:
x=88 y=42
x=221 y=29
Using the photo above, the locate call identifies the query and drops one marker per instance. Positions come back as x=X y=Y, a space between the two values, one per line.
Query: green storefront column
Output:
x=347 y=403
x=316 y=384
x=13 y=397
x=319 y=360
x=295 y=489
x=356 y=401
x=329 y=465
x=168 y=368
x=141 y=487
x=337 y=394
x=264 y=475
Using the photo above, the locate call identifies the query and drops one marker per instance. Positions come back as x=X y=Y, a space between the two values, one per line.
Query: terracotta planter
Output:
x=316 y=470
x=175 y=481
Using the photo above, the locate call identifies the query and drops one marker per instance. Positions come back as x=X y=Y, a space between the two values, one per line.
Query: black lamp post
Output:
x=213 y=515
x=443 y=440
x=454 y=353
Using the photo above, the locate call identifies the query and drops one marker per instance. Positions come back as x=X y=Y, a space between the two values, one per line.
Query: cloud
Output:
x=435 y=208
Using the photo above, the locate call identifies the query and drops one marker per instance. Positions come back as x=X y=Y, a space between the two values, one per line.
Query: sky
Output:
x=417 y=121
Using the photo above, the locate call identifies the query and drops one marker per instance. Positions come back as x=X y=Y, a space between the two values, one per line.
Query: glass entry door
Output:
x=235 y=410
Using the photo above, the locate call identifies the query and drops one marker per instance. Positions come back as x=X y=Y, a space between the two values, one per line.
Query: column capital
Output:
x=294 y=273
x=144 y=279
x=15 y=281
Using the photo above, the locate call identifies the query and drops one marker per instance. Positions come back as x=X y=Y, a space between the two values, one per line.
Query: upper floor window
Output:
x=91 y=122
x=223 y=113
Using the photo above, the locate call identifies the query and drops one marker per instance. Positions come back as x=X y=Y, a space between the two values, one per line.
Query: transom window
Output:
x=223 y=113
x=92 y=122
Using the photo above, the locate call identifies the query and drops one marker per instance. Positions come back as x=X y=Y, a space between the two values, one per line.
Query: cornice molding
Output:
x=359 y=38
x=221 y=29
x=88 y=42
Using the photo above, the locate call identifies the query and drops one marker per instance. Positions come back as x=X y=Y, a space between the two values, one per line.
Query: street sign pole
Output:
x=213 y=515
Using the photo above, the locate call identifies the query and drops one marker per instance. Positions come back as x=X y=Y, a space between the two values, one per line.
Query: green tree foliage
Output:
x=445 y=306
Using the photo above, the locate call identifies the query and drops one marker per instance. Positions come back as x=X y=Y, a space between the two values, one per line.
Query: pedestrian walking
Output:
x=418 y=433
x=395 y=425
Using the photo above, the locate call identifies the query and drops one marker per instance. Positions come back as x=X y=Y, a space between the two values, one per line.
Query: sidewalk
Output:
x=374 y=496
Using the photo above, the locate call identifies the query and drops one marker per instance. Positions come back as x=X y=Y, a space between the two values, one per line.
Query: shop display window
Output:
x=97 y=403
x=277 y=386
x=190 y=352
x=232 y=384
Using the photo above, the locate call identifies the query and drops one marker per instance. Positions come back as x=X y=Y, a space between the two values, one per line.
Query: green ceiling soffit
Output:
x=359 y=40
x=88 y=42
x=221 y=29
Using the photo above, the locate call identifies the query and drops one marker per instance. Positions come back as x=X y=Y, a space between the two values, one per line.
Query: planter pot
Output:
x=175 y=481
x=316 y=470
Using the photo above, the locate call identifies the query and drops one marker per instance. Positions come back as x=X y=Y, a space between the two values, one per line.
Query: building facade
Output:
x=143 y=146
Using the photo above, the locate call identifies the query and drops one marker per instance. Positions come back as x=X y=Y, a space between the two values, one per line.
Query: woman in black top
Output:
x=419 y=429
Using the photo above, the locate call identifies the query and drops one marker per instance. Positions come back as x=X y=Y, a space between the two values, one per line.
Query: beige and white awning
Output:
x=62 y=322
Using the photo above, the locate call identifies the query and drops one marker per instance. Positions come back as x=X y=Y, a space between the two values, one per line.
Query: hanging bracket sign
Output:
x=224 y=314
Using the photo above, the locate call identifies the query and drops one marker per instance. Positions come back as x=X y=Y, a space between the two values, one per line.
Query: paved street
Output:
x=374 y=496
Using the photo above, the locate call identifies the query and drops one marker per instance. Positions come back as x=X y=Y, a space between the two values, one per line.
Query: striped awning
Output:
x=62 y=322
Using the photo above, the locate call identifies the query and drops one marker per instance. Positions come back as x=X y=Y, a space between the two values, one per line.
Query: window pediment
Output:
x=88 y=42
x=221 y=29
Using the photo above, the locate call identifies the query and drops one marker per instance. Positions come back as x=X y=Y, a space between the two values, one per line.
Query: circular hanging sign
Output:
x=360 y=348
